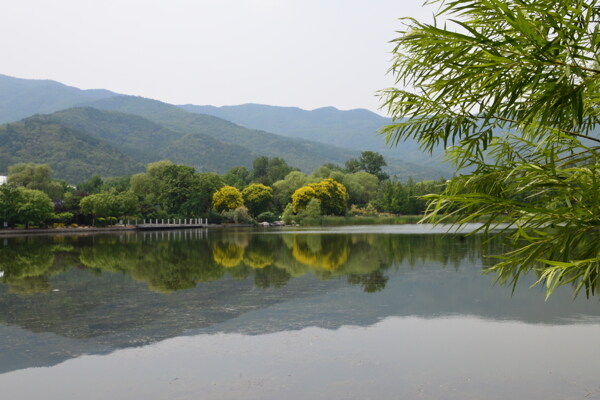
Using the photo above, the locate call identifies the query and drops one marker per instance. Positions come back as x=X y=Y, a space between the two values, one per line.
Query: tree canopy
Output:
x=513 y=87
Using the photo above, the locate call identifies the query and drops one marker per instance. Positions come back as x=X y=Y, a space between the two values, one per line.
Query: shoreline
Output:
x=113 y=229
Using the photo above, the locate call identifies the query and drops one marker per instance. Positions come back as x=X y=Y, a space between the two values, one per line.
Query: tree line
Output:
x=267 y=192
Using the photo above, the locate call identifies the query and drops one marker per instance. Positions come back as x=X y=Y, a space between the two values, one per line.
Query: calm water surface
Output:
x=393 y=312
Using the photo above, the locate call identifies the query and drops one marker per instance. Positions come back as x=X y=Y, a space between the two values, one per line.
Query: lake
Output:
x=377 y=312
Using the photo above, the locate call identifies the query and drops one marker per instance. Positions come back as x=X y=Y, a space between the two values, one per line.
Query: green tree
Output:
x=34 y=206
x=35 y=176
x=267 y=170
x=227 y=198
x=110 y=204
x=10 y=198
x=257 y=197
x=237 y=176
x=284 y=188
x=513 y=86
x=370 y=162
x=91 y=185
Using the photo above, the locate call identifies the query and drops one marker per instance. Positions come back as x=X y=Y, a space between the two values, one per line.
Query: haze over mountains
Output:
x=89 y=132
x=354 y=129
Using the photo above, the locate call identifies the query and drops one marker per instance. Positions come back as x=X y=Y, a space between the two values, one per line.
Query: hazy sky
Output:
x=305 y=53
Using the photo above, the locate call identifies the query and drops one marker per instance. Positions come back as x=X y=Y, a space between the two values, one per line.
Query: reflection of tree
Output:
x=165 y=265
x=27 y=263
x=227 y=255
x=271 y=277
x=372 y=282
x=327 y=252
x=270 y=259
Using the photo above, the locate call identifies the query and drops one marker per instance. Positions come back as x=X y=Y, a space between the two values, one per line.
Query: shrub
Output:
x=266 y=216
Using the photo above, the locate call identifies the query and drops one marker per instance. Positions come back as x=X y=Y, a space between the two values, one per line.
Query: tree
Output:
x=369 y=161
x=34 y=206
x=10 y=198
x=110 y=204
x=513 y=85
x=227 y=198
x=35 y=176
x=332 y=195
x=267 y=170
x=301 y=197
x=283 y=189
x=237 y=176
x=257 y=197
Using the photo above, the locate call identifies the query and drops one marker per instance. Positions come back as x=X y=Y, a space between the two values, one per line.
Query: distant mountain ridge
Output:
x=354 y=129
x=20 y=98
x=144 y=130
x=302 y=153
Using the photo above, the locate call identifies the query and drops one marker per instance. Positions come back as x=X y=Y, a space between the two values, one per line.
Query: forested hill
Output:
x=301 y=153
x=356 y=129
x=73 y=155
x=147 y=130
x=20 y=98
x=147 y=141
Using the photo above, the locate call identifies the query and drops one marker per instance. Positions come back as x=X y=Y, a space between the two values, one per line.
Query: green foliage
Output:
x=266 y=216
x=91 y=185
x=175 y=189
x=109 y=204
x=227 y=198
x=311 y=212
x=283 y=189
x=288 y=214
x=34 y=206
x=239 y=215
x=35 y=176
x=257 y=197
x=513 y=85
x=237 y=176
x=267 y=170
x=406 y=198
x=370 y=162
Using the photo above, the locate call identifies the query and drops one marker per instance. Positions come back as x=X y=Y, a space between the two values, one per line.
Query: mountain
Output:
x=207 y=142
x=73 y=155
x=304 y=154
x=20 y=98
x=356 y=129
x=147 y=141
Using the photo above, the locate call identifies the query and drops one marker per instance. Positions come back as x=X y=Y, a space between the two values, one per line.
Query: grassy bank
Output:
x=360 y=220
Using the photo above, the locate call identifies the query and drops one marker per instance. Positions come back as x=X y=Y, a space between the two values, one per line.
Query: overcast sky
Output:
x=304 y=53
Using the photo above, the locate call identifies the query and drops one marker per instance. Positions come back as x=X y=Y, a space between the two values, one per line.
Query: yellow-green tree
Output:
x=227 y=198
x=257 y=197
x=332 y=195
x=301 y=197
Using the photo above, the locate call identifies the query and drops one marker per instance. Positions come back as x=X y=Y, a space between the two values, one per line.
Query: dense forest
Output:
x=269 y=191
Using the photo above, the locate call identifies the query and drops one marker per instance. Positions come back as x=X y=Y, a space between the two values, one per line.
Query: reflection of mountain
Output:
x=99 y=307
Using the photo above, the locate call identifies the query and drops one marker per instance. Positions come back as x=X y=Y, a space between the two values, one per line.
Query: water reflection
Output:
x=64 y=296
x=175 y=262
